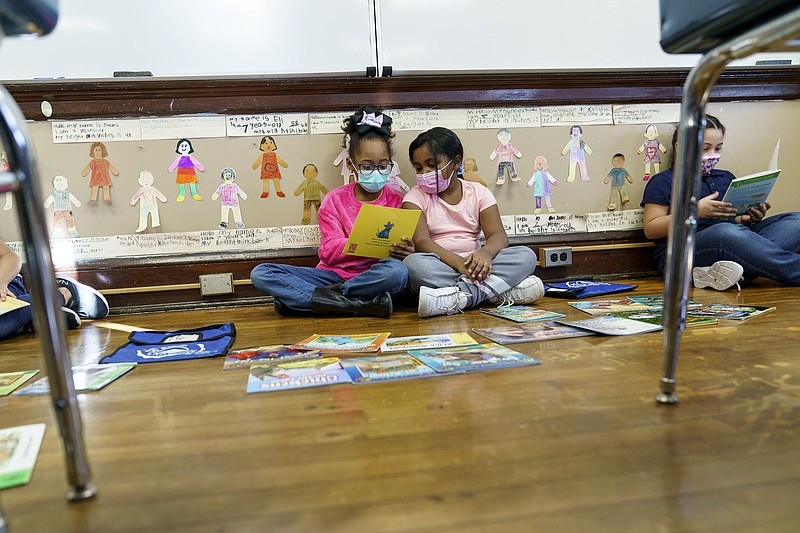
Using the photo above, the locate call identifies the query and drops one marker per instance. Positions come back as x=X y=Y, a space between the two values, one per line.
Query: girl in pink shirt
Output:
x=346 y=285
x=451 y=270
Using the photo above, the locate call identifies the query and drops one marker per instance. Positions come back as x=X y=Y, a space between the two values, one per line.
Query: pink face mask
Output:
x=434 y=182
x=708 y=162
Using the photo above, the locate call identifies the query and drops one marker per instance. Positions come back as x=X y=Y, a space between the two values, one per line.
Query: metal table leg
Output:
x=48 y=319
x=686 y=185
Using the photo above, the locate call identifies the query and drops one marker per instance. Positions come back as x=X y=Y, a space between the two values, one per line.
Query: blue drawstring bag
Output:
x=584 y=289
x=157 y=346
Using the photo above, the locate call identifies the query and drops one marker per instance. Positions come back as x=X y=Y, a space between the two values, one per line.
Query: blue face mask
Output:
x=372 y=181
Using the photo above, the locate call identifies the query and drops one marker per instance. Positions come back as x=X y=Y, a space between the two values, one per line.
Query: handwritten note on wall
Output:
x=503 y=117
x=647 y=113
x=567 y=115
x=424 y=119
x=241 y=239
x=297 y=236
x=327 y=122
x=182 y=127
x=549 y=223
x=74 y=131
x=615 y=220
x=508 y=224
x=273 y=124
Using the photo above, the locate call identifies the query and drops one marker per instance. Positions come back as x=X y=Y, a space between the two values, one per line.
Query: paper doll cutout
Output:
x=617 y=176
x=61 y=200
x=5 y=167
x=506 y=151
x=577 y=150
x=270 y=171
x=347 y=173
x=651 y=148
x=100 y=167
x=148 y=197
x=230 y=193
x=395 y=181
x=186 y=163
x=471 y=171
x=312 y=191
x=541 y=181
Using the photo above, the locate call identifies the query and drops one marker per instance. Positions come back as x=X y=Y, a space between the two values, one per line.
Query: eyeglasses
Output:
x=383 y=168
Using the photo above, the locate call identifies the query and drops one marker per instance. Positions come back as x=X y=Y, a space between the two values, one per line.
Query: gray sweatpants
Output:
x=509 y=268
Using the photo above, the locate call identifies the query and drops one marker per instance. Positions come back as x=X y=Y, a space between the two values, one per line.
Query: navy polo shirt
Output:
x=659 y=191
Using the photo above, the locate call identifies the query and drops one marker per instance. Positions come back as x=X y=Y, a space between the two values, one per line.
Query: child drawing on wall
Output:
x=230 y=193
x=617 y=176
x=506 y=151
x=5 y=167
x=269 y=161
x=186 y=163
x=312 y=191
x=395 y=181
x=341 y=159
x=62 y=200
x=148 y=197
x=577 y=150
x=541 y=181
x=651 y=148
x=471 y=171
x=100 y=167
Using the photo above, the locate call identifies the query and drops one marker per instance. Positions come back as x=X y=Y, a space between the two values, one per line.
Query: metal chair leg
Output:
x=686 y=184
x=48 y=319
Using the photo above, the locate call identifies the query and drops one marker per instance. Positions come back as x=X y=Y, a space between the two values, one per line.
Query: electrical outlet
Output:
x=213 y=284
x=552 y=257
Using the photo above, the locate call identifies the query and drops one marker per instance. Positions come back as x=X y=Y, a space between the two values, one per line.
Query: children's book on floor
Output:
x=245 y=357
x=536 y=331
x=90 y=377
x=656 y=316
x=584 y=288
x=521 y=313
x=19 y=448
x=657 y=300
x=385 y=368
x=750 y=191
x=368 y=342
x=604 y=307
x=471 y=358
x=10 y=381
x=12 y=304
x=730 y=312
x=265 y=377
x=421 y=342
x=612 y=325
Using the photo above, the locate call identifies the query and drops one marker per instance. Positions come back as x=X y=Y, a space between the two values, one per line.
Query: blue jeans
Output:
x=766 y=248
x=504 y=166
x=294 y=285
x=15 y=322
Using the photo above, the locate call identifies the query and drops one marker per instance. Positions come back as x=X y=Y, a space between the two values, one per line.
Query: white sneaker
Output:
x=446 y=301
x=720 y=276
x=500 y=180
x=527 y=292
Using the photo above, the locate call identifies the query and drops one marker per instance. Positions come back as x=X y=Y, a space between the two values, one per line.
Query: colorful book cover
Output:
x=612 y=325
x=385 y=368
x=12 y=304
x=470 y=358
x=11 y=380
x=750 y=191
x=657 y=300
x=265 y=354
x=730 y=312
x=584 y=288
x=538 y=331
x=521 y=313
x=377 y=227
x=367 y=342
x=86 y=378
x=604 y=307
x=265 y=377
x=421 y=342
x=655 y=315
x=19 y=447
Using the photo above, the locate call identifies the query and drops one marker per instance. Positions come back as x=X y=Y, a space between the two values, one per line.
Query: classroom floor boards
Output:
x=576 y=443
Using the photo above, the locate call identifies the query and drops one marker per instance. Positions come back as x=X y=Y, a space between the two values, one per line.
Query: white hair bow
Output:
x=371 y=120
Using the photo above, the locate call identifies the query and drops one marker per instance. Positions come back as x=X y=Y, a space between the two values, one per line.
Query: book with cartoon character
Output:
x=377 y=228
x=470 y=358
x=750 y=191
x=265 y=377
x=90 y=377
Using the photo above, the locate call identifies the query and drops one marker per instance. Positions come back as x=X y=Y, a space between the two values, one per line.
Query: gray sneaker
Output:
x=720 y=276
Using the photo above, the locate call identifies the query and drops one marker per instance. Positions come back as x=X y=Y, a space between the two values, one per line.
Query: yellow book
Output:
x=377 y=227
x=11 y=304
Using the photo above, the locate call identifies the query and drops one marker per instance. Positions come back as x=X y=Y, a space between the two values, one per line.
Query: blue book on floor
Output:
x=584 y=288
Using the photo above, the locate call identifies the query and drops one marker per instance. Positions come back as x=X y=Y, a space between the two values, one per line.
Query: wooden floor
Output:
x=574 y=444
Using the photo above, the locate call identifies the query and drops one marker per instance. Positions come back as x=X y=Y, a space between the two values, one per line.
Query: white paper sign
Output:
x=272 y=124
x=67 y=251
x=550 y=223
x=301 y=236
x=159 y=243
x=424 y=119
x=569 y=115
x=241 y=239
x=327 y=122
x=182 y=127
x=508 y=224
x=647 y=113
x=615 y=220
x=503 y=117
x=74 y=131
